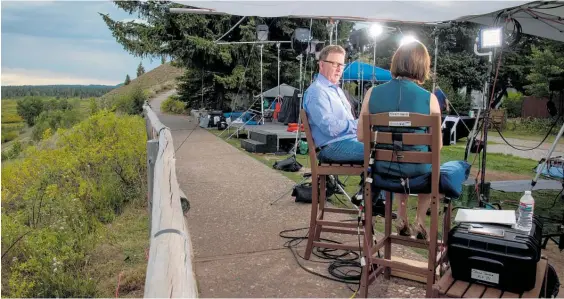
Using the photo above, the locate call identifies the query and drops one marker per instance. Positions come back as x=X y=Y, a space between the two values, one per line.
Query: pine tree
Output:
x=127 y=80
x=163 y=60
x=215 y=70
x=140 y=70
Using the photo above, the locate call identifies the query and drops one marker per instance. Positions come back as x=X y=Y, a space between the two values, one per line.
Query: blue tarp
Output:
x=358 y=70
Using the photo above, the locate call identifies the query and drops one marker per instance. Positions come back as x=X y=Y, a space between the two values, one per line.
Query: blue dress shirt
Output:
x=329 y=112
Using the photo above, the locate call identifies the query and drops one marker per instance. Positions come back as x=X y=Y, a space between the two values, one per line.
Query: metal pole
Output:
x=256 y=42
x=374 y=66
x=435 y=63
x=295 y=149
x=261 y=96
x=486 y=124
x=337 y=32
x=278 y=46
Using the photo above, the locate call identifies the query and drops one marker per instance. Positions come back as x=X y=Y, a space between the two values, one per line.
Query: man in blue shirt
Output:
x=333 y=126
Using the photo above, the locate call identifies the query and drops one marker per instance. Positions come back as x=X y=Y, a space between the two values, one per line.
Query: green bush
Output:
x=29 y=108
x=530 y=125
x=9 y=135
x=54 y=119
x=131 y=103
x=173 y=105
x=56 y=199
x=512 y=104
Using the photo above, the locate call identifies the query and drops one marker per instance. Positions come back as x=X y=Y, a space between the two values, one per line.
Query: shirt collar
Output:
x=323 y=80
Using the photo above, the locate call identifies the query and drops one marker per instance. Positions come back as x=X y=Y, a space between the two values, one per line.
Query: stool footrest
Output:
x=336 y=246
x=339 y=224
x=342 y=211
x=342 y=230
x=398 y=265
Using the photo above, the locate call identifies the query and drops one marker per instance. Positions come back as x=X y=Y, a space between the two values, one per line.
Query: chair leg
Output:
x=433 y=245
x=322 y=200
x=388 y=233
x=367 y=241
x=313 y=217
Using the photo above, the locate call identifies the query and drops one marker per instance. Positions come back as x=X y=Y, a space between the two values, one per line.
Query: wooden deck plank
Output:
x=509 y=295
x=492 y=293
x=475 y=291
x=458 y=289
x=541 y=273
x=445 y=282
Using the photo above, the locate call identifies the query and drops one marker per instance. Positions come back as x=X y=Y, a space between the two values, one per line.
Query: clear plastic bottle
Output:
x=526 y=208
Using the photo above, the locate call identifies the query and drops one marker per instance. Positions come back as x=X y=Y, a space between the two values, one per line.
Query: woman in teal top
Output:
x=410 y=68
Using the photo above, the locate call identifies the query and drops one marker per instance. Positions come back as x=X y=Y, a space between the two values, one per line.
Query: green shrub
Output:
x=9 y=135
x=55 y=200
x=513 y=104
x=131 y=103
x=173 y=105
x=29 y=108
x=54 y=119
x=536 y=126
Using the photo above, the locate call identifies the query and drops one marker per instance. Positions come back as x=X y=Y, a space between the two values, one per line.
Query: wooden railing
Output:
x=170 y=271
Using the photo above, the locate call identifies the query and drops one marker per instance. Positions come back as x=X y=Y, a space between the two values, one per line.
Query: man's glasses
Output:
x=335 y=64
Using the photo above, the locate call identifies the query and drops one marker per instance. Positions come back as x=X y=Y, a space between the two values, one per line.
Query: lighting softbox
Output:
x=300 y=39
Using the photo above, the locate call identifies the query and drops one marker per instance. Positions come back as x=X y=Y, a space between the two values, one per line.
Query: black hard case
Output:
x=513 y=257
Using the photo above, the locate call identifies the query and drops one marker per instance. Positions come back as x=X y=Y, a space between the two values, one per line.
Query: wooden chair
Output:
x=433 y=139
x=319 y=174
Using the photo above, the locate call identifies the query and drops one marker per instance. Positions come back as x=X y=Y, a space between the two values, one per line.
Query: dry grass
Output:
x=121 y=255
x=159 y=79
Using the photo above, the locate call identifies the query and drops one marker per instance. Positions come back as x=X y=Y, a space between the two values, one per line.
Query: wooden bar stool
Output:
x=432 y=139
x=319 y=174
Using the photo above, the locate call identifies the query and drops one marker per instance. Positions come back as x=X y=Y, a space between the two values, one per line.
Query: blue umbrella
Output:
x=358 y=70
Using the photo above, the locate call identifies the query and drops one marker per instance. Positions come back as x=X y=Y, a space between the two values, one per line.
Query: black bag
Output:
x=495 y=255
x=303 y=193
x=290 y=164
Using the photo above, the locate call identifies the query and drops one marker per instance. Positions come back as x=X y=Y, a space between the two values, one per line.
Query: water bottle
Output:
x=526 y=207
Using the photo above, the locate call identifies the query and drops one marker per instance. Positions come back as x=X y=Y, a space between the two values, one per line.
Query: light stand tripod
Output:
x=487 y=109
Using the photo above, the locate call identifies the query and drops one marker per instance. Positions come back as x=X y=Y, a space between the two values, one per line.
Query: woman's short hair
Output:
x=411 y=60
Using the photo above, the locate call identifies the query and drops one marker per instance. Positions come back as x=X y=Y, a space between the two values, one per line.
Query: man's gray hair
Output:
x=330 y=49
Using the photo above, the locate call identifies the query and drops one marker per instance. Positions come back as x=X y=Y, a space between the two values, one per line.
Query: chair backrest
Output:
x=405 y=119
x=310 y=144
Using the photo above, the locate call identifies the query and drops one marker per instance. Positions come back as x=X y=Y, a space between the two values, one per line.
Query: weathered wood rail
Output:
x=170 y=272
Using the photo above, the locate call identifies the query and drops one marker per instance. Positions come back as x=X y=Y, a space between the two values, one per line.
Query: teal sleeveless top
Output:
x=405 y=96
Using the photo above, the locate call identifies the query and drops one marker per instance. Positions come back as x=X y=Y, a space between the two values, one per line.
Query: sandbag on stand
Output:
x=290 y=164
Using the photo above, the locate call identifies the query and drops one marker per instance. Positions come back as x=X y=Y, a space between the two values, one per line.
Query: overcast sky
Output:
x=63 y=42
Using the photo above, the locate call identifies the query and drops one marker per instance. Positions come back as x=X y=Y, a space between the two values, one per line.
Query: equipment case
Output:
x=495 y=255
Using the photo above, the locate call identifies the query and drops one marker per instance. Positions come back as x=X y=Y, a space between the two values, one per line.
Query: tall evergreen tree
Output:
x=216 y=71
x=127 y=80
x=140 y=70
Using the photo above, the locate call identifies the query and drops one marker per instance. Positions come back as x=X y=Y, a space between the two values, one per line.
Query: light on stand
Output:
x=487 y=38
x=262 y=32
x=262 y=35
x=376 y=30
x=490 y=38
x=407 y=40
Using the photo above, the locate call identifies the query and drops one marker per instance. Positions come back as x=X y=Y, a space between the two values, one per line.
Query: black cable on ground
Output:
x=343 y=267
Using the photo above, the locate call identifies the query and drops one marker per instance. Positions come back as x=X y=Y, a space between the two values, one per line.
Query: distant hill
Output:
x=64 y=91
x=158 y=79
